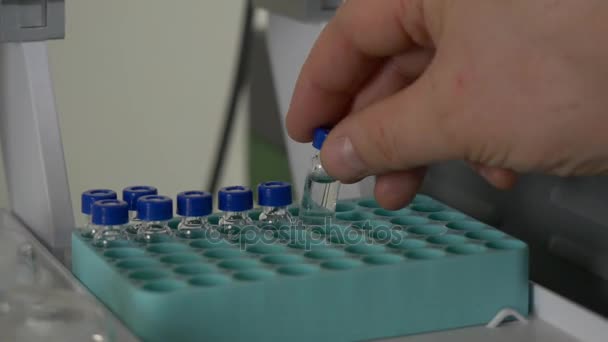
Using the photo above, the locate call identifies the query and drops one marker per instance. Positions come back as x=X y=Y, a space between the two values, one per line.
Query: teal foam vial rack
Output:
x=371 y=274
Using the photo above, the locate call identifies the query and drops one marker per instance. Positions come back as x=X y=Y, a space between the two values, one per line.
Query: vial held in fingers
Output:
x=320 y=190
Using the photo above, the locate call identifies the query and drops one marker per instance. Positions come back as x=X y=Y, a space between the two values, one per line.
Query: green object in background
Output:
x=267 y=161
x=373 y=274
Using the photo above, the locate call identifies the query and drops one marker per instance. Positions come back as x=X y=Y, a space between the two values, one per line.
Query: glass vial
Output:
x=87 y=199
x=110 y=218
x=275 y=198
x=155 y=211
x=131 y=195
x=235 y=202
x=320 y=193
x=194 y=207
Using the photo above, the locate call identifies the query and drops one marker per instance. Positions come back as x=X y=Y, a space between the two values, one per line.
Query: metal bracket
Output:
x=31 y=20
x=302 y=10
x=30 y=137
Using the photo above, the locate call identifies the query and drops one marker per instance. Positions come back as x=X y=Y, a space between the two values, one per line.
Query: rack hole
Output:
x=167 y=248
x=209 y=280
x=298 y=270
x=339 y=265
x=365 y=249
x=448 y=216
x=427 y=207
x=392 y=213
x=266 y=249
x=466 y=225
x=123 y=253
x=343 y=207
x=448 y=239
x=132 y=264
x=409 y=220
x=354 y=216
x=149 y=274
x=180 y=259
x=421 y=199
x=210 y=244
x=238 y=264
x=195 y=269
x=425 y=254
x=285 y=259
x=369 y=203
x=223 y=253
x=486 y=235
x=324 y=254
x=349 y=236
x=253 y=275
x=383 y=259
x=119 y=244
x=372 y=225
x=466 y=249
x=408 y=244
x=427 y=229
x=164 y=285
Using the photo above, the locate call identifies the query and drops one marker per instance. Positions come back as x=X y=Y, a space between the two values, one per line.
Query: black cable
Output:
x=239 y=80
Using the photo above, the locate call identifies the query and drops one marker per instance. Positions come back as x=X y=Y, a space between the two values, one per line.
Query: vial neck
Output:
x=235 y=214
x=110 y=227
x=87 y=219
x=194 y=220
x=275 y=210
x=157 y=223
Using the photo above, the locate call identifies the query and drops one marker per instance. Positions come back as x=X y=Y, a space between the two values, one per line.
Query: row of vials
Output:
x=144 y=215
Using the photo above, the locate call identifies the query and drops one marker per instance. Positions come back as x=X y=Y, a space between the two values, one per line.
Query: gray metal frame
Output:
x=31 y=144
x=31 y=20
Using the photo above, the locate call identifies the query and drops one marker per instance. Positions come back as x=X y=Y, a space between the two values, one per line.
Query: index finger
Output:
x=349 y=50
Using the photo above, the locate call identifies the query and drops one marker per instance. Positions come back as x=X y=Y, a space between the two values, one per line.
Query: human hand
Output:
x=509 y=86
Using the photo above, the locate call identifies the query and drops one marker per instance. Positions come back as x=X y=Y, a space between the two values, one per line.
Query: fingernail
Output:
x=340 y=153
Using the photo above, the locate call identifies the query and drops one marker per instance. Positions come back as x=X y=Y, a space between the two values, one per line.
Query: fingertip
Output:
x=395 y=190
x=295 y=130
x=500 y=178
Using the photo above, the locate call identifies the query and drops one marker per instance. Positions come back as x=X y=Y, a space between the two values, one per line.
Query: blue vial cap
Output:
x=194 y=203
x=235 y=198
x=319 y=137
x=133 y=193
x=155 y=208
x=274 y=194
x=91 y=196
x=110 y=212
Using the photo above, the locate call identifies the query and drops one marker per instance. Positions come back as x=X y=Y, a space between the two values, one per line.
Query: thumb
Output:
x=401 y=132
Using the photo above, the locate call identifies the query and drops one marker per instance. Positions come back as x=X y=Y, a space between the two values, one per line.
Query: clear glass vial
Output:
x=110 y=218
x=320 y=193
x=235 y=202
x=86 y=200
x=275 y=198
x=155 y=211
x=131 y=195
x=194 y=207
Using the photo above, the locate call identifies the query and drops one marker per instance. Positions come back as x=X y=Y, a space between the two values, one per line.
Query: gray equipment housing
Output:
x=31 y=20
x=564 y=220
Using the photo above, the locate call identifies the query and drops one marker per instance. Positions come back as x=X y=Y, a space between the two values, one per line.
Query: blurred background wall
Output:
x=141 y=88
